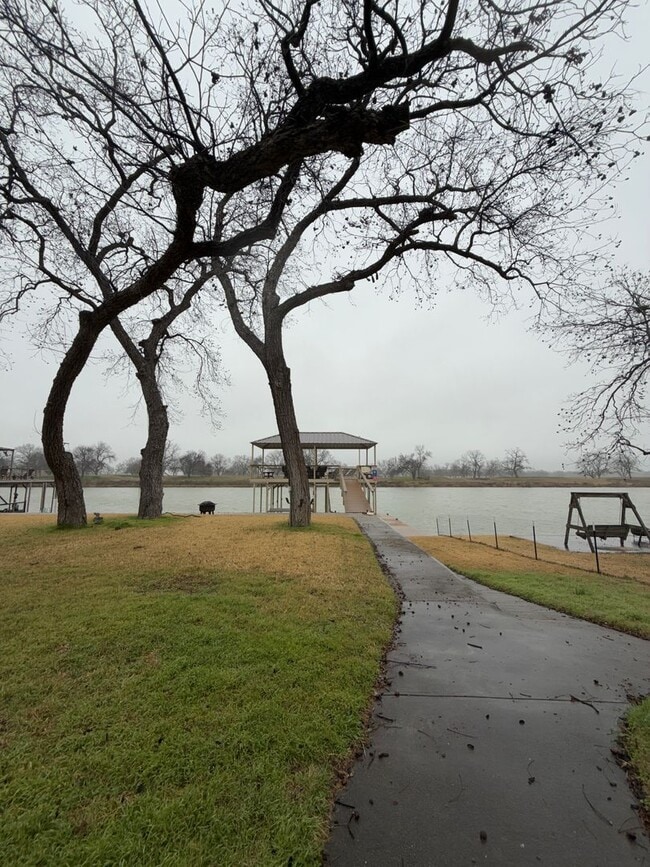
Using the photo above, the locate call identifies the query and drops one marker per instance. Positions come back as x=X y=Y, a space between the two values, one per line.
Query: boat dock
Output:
x=16 y=495
x=357 y=482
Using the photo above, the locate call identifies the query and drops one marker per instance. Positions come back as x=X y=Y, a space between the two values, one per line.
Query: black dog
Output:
x=207 y=507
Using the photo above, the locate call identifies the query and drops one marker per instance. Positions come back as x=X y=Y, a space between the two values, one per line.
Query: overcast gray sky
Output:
x=446 y=377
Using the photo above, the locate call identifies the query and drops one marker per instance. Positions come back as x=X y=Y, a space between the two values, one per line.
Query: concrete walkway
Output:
x=491 y=743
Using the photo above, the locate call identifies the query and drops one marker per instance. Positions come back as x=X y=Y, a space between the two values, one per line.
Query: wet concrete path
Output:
x=491 y=743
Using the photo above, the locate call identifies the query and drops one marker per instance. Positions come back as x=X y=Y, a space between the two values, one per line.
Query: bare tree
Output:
x=609 y=327
x=155 y=359
x=239 y=465
x=594 y=463
x=475 y=459
x=493 y=468
x=41 y=260
x=31 y=457
x=194 y=463
x=101 y=153
x=130 y=467
x=508 y=124
x=219 y=463
x=413 y=463
x=624 y=462
x=389 y=137
x=93 y=460
x=460 y=468
x=514 y=462
x=389 y=467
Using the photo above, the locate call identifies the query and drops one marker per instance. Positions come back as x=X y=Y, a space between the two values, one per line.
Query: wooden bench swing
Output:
x=619 y=531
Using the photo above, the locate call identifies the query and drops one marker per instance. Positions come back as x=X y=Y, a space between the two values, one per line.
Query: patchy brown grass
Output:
x=191 y=545
x=515 y=553
x=182 y=690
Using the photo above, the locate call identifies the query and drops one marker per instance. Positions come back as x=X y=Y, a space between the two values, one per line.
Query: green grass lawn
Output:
x=636 y=739
x=182 y=691
x=620 y=600
x=622 y=604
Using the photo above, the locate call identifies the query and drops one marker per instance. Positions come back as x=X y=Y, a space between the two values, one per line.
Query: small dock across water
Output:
x=16 y=495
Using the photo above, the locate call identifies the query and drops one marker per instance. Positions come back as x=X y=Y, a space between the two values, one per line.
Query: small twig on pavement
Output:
x=597 y=812
x=464 y=734
x=582 y=701
x=462 y=789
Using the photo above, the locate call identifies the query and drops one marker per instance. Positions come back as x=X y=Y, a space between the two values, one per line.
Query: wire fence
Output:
x=484 y=530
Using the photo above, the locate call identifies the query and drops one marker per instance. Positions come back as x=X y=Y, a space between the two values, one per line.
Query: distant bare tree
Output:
x=171 y=458
x=130 y=467
x=514 y=462
x=31 y=457
x=93 y=460
x=239 y=465
x=414 y=463
x=194 y=463
x=389 y=467
x=475 y=459
x=493 y=468
x=219 y=463
x=593 y=464
x=624 y=462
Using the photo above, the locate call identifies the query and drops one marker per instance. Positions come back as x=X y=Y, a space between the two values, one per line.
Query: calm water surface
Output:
x=430 y=510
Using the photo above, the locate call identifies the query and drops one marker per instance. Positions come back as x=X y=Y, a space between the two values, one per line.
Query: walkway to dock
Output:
x=354 y=498
x=491 y=741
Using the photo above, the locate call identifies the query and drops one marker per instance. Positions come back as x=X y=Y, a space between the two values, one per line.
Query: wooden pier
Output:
x=16 y=495
x=357 y=483
x=18 y=483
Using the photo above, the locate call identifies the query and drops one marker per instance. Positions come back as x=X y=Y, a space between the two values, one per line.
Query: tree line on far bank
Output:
x=99 y=459
x=473 y=464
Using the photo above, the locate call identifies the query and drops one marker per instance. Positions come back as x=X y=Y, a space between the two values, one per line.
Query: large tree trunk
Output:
x=280 y=383
x=72 y=508
x=69 y=491
x=151 y=468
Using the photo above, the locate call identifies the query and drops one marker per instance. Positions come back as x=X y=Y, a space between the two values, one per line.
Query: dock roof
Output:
x=319 y=440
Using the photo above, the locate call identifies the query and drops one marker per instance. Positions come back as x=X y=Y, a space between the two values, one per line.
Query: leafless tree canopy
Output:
x=297 y=148
x=514 y=462
x=131 y=130
x=609 y=327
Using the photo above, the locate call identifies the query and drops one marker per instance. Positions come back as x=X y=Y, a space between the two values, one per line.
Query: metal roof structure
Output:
x=319 y=440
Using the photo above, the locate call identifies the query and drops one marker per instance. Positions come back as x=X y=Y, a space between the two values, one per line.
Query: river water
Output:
x=429 y=510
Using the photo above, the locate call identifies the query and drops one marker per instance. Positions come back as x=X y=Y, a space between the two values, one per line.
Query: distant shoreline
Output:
x=440 y=482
